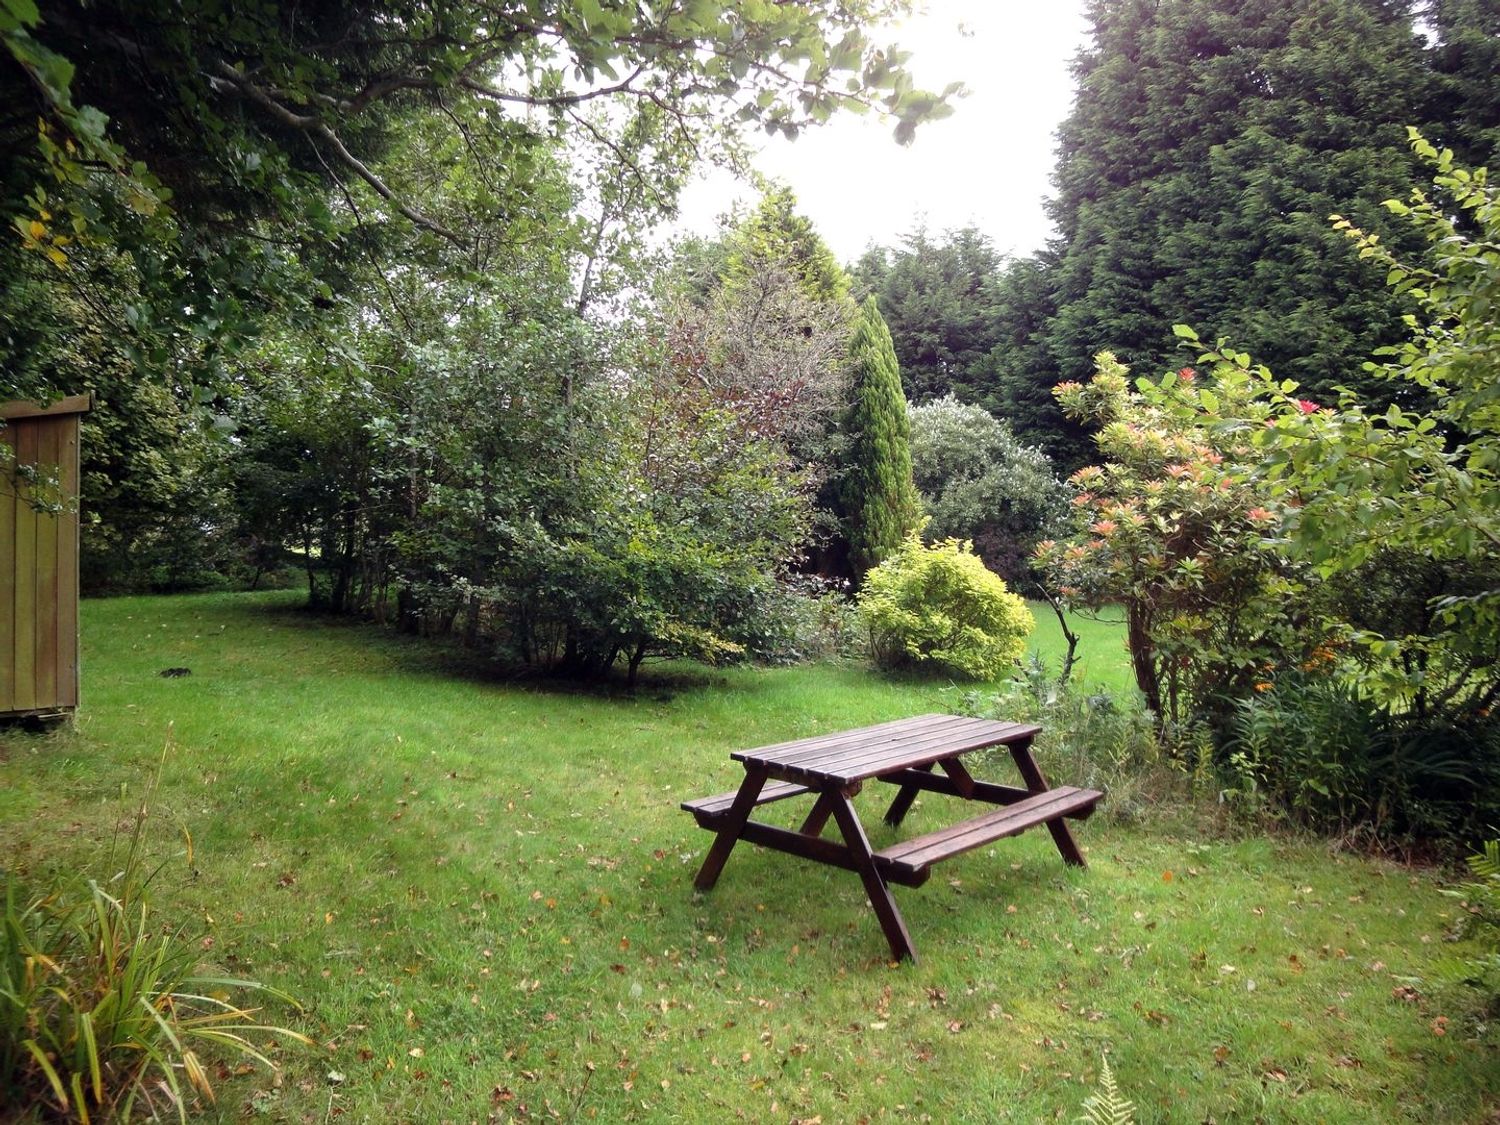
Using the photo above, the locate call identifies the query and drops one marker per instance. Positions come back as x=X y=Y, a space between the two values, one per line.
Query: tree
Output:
x=938 y=297
x=879 y=500
x=776 y=234
x=1207 y=145
x=1362 y=484
x=762 y=315
x=1466 y=57
x=1024 y=305
x=1167 y=528
x=978 y=483
x=174 y=136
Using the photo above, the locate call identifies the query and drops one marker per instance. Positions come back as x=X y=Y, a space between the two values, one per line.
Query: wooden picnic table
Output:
x=915 y=755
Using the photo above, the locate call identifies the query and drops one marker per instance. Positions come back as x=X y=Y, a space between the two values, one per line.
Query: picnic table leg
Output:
x=1037 y=783
x=734 y=823
x=879 y=894
x=902 y=804
x=817 y=817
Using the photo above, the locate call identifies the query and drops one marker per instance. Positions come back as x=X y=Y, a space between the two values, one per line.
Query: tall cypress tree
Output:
x=880 y=502
x=1209 y=142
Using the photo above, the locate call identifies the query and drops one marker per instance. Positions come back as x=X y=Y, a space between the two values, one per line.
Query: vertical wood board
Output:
x=67 y=571
x=7 y=589
x=48 y=531
x=24 y=691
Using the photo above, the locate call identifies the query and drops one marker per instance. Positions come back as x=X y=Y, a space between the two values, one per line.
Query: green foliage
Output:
x=1106 y=1105
x=761 y=317
x=977 y=482
x=1314 y=749
x=102 y=1009
x=878 y=498
x=242 y=160
x=776 y=234
x=671 y=545
x=1091 y=736
x=1206 y=145
x=938 y=607
x=937 y=294
x=1166 y=529
x=1465 y=57
x=813 y=621
x=1357 y=489
x=1481 y=923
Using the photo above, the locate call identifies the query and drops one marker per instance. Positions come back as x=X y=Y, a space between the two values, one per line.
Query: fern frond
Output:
x=1487 y=863
x=1106 y=1106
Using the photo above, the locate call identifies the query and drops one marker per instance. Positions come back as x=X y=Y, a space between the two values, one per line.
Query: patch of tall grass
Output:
x=103 y=1011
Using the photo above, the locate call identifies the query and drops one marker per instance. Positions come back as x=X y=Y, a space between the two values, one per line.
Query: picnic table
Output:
x=922 y=754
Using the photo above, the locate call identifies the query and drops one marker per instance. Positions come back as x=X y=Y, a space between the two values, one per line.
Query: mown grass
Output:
x=1100 y=657
x=482 y=891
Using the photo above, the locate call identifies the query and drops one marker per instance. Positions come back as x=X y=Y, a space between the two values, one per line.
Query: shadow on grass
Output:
x=449 y=657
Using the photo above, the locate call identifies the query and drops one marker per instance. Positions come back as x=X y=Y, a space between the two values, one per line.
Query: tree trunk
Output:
x=635 y=664
x=1143 y=657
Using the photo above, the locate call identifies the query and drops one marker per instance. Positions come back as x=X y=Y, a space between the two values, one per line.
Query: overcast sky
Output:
x=987 y=165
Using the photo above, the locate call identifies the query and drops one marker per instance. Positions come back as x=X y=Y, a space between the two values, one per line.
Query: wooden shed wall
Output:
x=39 y=565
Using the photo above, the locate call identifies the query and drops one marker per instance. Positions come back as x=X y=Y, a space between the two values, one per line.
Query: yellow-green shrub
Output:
x=939 y=606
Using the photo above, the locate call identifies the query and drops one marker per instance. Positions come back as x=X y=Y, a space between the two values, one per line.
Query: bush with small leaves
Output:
x=939 y=607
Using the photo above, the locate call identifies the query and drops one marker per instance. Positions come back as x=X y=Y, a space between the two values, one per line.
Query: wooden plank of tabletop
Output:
x=856 y=764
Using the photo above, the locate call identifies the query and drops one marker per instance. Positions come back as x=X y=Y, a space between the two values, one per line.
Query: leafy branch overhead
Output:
x=283 y=87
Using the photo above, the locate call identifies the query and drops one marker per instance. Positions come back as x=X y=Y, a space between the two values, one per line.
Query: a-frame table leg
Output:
x=878 y=893
x=817 y=818
x=734 y=824
x=902 y=804
x=1020 y=752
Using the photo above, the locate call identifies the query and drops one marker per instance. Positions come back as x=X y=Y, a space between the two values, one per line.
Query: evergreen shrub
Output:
x=938 y=607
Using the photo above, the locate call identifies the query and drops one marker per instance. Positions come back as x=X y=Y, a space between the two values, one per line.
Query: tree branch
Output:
x=310 y=123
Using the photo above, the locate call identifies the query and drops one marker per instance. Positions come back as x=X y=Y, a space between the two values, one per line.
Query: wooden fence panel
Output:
x=39 y=561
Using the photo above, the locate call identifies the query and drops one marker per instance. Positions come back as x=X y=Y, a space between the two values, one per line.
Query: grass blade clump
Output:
x=102 y=1008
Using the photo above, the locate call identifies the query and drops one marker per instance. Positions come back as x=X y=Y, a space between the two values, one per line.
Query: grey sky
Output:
x=988 y=164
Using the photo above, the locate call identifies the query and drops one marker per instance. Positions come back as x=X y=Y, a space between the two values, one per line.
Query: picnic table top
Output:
x=875 y=751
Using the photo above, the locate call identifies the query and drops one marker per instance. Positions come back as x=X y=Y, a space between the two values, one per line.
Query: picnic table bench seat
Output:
x=911 y=857
x=708 y=809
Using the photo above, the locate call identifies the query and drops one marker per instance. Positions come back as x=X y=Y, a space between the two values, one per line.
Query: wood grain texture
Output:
x=23 y=695
x=923 y=851
x=39 y=561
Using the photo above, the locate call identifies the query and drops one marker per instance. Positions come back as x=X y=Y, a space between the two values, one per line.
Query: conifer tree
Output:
x=777 y=233
x=937 y=294
x=1208 y=144
x=880 y=502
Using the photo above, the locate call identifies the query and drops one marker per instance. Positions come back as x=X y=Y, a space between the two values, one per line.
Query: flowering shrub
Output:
x=939 y=607
x=1167 y=530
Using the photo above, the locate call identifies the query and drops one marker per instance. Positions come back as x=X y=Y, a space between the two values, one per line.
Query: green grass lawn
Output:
x=482 y=892
x=1101 y=648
